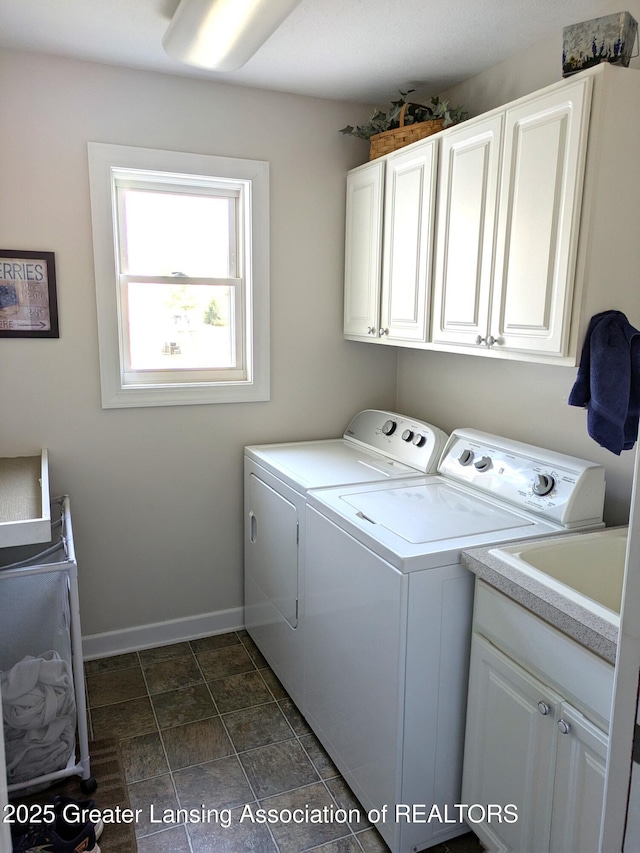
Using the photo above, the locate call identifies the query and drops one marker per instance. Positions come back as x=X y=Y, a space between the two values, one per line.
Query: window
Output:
x=181 y=263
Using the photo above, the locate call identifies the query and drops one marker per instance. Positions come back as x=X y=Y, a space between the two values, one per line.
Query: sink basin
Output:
x=587 y=569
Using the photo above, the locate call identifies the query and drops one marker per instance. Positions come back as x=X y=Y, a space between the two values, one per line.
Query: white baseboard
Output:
x=161 y=633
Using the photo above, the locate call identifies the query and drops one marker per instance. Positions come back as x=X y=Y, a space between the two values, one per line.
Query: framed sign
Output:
x=28 y=299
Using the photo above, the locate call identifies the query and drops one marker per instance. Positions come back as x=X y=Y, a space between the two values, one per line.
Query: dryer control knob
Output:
x=389 y=427
x=466 y=457
x=483 y=464
x=420 y=440
x=543 y=484
x=407 y=435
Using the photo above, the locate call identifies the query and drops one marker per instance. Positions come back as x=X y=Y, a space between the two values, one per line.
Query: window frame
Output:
x=109 y=164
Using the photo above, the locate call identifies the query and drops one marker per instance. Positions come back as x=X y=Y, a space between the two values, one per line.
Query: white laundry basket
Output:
x=40 y=618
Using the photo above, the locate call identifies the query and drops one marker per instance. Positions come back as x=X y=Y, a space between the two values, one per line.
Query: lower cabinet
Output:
x=533 y=760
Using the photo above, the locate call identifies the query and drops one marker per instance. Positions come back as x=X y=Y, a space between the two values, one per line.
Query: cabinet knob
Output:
x=564 y=727
x=491 y=341
x=544 y=709
x=371 y=330
x=480 y=340
x=383 y=332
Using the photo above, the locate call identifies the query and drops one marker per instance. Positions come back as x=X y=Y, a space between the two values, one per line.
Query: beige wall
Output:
x=524 y=401
x=156 y=493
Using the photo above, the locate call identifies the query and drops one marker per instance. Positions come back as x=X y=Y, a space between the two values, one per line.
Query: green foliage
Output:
x=381 y=121
x=212 y=314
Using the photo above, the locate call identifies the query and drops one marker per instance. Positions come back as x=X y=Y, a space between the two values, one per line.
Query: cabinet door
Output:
x=408 y=239
x=539 y=210
x=509 y=749
x=579 y=786
x=468 y=191
x=363 y=250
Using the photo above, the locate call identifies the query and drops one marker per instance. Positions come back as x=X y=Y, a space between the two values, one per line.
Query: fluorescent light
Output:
x=223 y=34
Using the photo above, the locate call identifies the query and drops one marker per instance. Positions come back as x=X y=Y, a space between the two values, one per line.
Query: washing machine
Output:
x=388 y=616
x=376 y=446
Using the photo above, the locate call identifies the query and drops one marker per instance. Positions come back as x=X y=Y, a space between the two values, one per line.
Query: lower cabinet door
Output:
x=581 y=756
x=509 y=752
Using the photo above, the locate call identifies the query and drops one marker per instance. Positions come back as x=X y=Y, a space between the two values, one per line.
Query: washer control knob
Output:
x=543 y=484
x=407 y=435
x=420 y=440
x=466 y=457
x=389 y=427
x=482 y=464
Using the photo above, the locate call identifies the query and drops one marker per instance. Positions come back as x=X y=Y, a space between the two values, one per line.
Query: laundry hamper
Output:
x=40 y=631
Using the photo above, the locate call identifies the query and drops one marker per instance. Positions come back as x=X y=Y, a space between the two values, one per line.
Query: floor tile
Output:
x=277 y=768
x=124 y=719
x=152 y=796
x=345 y=799
x=173 y=673
x=94 y=667
x=183 y=705
x=240 y=691
x=254 y=653
x=160 y=653
x=240 y=836
x=218 y=641
x=168 y=841
x=195 y=743
x=117 y=686
x=220 y=663
x=319 y=756
x=294 y=717
x=294 y=837
x=143 y=757
x=273 y=684
x=342 y=845
x=372 y=842
x=257 y=726
x=218 y=784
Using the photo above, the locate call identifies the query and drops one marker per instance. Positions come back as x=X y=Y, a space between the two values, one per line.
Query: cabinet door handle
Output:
x=371 y=330
x=253 y=528
x=544 y=709
x=383 y=332
x=480 y=340
x=564 y=727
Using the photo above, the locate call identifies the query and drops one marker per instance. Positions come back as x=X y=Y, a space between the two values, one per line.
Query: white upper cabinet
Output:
x=388 y=271
x=468 y=195
x=536 y=227
x=513 y=181
x=363 y=249
x=538 y=217
x=407 y=253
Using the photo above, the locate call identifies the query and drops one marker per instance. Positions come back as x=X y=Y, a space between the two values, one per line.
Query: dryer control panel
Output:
x=562 y=488
x=407 y=440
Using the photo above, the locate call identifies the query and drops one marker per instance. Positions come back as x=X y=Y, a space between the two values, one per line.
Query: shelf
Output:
x=25 y=514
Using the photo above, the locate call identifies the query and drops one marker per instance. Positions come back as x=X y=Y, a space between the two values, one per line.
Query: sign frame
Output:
x=28 y=294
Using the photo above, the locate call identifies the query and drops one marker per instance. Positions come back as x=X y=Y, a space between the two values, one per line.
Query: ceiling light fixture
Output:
x=223 y=34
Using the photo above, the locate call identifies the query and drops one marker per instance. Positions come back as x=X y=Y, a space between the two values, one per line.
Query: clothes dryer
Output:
x=388 y=616
x=376 y=446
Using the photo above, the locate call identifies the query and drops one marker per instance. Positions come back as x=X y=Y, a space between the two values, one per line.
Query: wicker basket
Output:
x=391 y=140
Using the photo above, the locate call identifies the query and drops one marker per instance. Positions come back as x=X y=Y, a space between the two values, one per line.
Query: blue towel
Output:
x=608 y=381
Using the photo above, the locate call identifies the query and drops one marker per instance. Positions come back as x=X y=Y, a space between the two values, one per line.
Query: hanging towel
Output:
x=608 y=381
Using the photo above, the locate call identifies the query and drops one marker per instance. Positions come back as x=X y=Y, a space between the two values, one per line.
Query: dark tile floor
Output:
x=206 y=725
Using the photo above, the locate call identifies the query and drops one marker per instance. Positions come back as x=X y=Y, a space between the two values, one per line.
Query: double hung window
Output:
x=181 y=260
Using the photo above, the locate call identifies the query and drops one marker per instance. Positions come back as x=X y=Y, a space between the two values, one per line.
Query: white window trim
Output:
x=104 y=160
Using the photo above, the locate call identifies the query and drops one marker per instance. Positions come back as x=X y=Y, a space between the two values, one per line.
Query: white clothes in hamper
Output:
x=39 y=716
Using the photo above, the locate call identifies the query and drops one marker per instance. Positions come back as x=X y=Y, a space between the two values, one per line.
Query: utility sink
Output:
x=587 y=569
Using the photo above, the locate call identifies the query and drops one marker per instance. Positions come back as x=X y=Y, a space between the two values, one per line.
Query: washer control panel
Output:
x=405 y=440
x=562 y=488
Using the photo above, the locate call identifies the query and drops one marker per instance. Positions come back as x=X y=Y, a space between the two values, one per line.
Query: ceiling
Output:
x=359 y=50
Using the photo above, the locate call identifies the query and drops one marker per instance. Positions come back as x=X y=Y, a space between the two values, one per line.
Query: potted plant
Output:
x=405 y=122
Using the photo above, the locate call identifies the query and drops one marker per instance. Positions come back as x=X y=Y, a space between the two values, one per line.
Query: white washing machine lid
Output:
x=432 y=512
x=425 y=522
x=333 y=462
